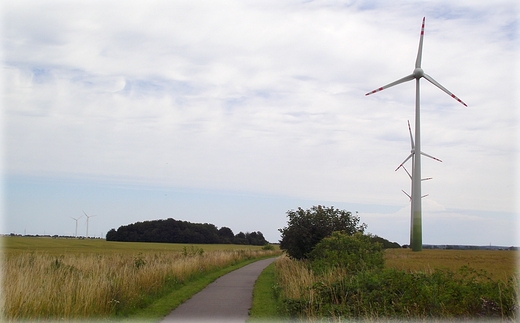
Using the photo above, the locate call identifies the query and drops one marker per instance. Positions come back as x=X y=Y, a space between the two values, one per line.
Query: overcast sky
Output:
x=233 y=112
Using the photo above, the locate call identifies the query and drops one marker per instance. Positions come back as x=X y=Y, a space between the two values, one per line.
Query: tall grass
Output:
x=41 y=286
x=295 y=282
x=436 y=292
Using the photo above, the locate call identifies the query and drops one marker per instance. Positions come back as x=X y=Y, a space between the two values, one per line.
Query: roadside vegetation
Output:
x=347 y=275
x=391 y=294
x=98 y=283
x=265 y=307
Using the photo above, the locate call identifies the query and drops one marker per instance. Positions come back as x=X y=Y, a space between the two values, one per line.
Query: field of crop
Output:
x=499 y=264
x=441 y=284
x=46 y=245
x=63 y=279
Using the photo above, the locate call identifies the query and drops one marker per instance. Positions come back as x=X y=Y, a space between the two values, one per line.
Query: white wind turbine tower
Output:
x=416 y=208
x=88 y=217
x=76 y=234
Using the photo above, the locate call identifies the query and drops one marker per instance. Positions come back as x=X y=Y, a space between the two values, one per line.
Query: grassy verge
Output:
x=164 y=305
x=75 y=280
x=265 y=305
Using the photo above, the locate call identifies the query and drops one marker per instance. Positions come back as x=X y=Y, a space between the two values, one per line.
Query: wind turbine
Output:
x=76 y=234
x=416 y=208
x=88 y=217
x=412 y=156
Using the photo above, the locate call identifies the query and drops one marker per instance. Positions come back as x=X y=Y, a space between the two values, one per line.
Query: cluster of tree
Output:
x=176 y=231
x=306 y=228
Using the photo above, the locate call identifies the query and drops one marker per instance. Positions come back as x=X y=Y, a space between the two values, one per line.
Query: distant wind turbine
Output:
x=88 y=217
x=416 y=208
x=412 y=155
x=76 y=234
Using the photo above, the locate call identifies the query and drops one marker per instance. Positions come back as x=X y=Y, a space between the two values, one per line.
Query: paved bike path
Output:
x=227 y=299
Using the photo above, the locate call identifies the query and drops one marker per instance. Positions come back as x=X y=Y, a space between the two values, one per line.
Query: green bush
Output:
x=268 y=247
x=192 y=251
x=305 y=228
x=395 y=294
x=352 y=252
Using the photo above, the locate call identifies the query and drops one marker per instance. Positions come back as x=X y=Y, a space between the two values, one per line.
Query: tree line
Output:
x=176 y=231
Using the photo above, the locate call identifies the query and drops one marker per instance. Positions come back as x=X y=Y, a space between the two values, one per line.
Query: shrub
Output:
x=192 y=251
x=268 y=247
x=396 y=294
x=306 y=228
x=353 y=253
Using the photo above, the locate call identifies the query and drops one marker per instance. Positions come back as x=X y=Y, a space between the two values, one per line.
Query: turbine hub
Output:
x=418 y=73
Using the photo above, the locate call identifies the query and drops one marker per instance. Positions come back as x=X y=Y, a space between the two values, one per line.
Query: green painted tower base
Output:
x=416 y=241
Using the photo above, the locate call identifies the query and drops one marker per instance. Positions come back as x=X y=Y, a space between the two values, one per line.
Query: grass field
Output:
x=64 y=279
x=72 y=246
x=499 y=264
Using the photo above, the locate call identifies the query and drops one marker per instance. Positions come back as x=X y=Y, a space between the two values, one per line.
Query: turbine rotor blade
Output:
x=426 y=179
x=407 y=172
x=437 y=84
x=419 y=52
x=437 y=159
x=409 y=156
x=411 y=137
x=399 y=81
x=407 y=194
x=424 y=195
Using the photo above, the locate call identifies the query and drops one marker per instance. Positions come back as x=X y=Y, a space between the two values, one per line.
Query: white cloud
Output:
x=263 y=97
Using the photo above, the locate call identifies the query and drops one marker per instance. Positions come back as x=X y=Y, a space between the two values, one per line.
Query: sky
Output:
x=234 y=112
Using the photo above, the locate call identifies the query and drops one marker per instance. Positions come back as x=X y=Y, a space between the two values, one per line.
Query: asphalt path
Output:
x=227 y=299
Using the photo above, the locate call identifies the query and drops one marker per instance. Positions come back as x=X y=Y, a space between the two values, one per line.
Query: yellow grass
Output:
x=295 y=280
x=92 y=282
x=499 y=264
x=293 y=277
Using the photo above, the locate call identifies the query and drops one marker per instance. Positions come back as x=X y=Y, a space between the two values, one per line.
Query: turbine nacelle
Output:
x=418 y=73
